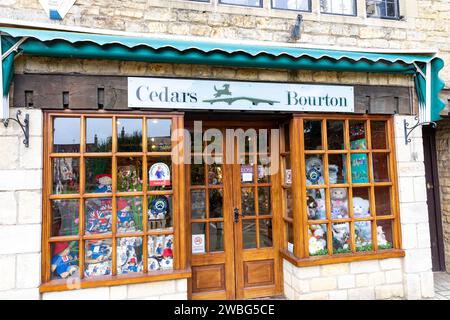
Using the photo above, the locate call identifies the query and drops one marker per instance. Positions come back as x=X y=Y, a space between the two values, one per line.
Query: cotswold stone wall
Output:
x=426 y=23
x=443 y=159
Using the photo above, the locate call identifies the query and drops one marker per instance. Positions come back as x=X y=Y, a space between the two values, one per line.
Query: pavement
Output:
x=441 y=286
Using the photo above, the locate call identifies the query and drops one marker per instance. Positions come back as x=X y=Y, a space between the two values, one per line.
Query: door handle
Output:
x=236 y=215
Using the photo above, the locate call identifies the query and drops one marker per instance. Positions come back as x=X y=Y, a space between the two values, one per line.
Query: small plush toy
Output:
x=339 y=203
x=314 y=171
x=63 y=262
x=167 y=260
x=341 y=235
x=361 y=207
x=97 y=252
x=333 y=173
x=159 y=208
x=316 y=240
x=312 y=208
x=104 y=183
x=99 y=218
x=125 y=221
x=381 y=237
x=321 y=209
x=132 y=265
x=153 y=264
x=363 y=233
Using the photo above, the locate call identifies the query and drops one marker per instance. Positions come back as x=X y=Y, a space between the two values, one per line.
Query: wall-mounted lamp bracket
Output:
x=25 y=126
x=409 y=130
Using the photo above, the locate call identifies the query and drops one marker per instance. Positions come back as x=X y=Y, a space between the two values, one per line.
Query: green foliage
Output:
x=364 y=248
x=385 y=246
x=341 y=251
x=322 y=252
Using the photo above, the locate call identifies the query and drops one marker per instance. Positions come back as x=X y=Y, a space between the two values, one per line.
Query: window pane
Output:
x=65 y=220
x=247 y=173
x=98 y=261
x=248 y=202
x=336 y=168
x=265 y=233
x=380 y=167
x=316 y=204
x=335 y=135
x=378 y=132
x=363 y=236
x=314 y=170
x=98 y=175
x=129 y=255
x=129 y=135
x=263 y=170
x=66 y=175
x=216 y=203
x=98 y=135
x=359 y=168
x=160 y=252
x=313 y=135
x=361 y=202
x=383 y=201
x=264 y=202
x=159 y=173
x=288 y=201
x=198 y=238
x=384 y=234
x=66 y=135
x=290 y=237
x=249 y=234
x=197 y=173
x=160 y=212
x=301 y=5
x=98 y=215
x=215 y=236
x=358 y=135
x=317 y=240
x=339 y=203
x=198 y=204
x=382 y=8
x=346 y=7
x=214 y=174
x=341 y=238
x=64 y=263
x=129 y=214
x=159 y=135
x=129 y=174
x=250 y=3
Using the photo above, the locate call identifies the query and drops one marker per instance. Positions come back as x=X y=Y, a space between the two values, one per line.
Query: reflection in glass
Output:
x=339 y=203
x=129 y=174
x=336 y=168
x=358 y=135
x=335 y=135
x=160 y=212
x=159 y=173
x=98 y=217
x=129 y=255
x=314 y=170
x=98 y=175
x=344 y=7
x=313 y=135
x=249 y=234
x=263 y=171
x=341 y=238
x=215 y=236
x=265 y=233
x=363 y=236
x=198 y=204
x=380 y=167
x=129 y=135
x=129 y=214
x=66 y=175
x=66 y=135
x=159 y=135
x=98 y=135
x=214 y=174
x=300 y=5
x=264 y=203
x=65 y=221
x=160 y=252
x=98 y=259
x=197 y=174
x=378 y=132
x=64 y=263
x=316 y=204
x=383 y=201
x=215 y=203
x=288 y=201
x=248 y=201
x=317 y=243
x=384 y=234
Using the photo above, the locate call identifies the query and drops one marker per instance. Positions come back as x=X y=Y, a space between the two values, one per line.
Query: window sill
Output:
x=105 y=281
x=342 y=258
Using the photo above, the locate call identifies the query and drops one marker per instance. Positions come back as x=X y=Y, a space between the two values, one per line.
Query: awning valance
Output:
x=53 y=43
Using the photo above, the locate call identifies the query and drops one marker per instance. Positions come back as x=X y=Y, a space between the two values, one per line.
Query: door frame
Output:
x=236 y=266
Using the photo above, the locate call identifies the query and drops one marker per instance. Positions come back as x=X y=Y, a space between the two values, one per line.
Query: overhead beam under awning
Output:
x=51 y=43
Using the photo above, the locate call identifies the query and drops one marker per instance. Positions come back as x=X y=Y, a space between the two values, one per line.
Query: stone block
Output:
x=28 y=270
x=427 y=284
x=416 y=212
x=417 y=260
x=394 y=276
x=361 y=294
x=323 y=284
x=101 y=293
x=301 y=286
x=8 y=212
x=7 y=272
x=30 y=207
x=143 y=290
x=306 y=272
x=346 y=281
x=20 y=239
x=118 y=292
x=335 y=269
x=11 y=180
x=31 y=157
x=20 y=294
x=338 y=295
x=9 y=149
x=181 y=285
x=389 y=291
x=364 y=266
x=390 y=264
x=409 y=236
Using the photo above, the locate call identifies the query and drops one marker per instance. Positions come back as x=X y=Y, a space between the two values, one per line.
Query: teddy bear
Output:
x=339 y=203
x=316 y=240
x=363 y=229
x=125 y=222
x=314 y=171
x=361 y=207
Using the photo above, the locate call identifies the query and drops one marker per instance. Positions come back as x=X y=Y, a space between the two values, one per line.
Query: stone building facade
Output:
x=426 y=25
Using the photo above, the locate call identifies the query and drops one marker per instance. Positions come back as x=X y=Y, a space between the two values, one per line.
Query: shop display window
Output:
x=110 y=199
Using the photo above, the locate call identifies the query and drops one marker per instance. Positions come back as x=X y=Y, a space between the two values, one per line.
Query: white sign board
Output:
x=169 y=93
x=198 y=243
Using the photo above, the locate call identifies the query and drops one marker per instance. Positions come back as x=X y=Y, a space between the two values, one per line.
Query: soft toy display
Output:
x=104 y=183
x=99 y=217
x=363 y=229
x=125 y=222
x=333 y=173
x=98 y=259
x=341 y=236
x=160 y=254
x=381 y=237
x=158 y=212
x=321 y=209
x=314 y=171
x=339 y=203
x=312 y=208
x=361 y=207
x=317 y=242
x=64 y=264
x=129 y=255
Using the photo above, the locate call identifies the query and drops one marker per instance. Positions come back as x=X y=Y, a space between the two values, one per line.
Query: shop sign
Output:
x=57 y=9
x=198 y=243
x=159 y=175
x=238 y=95
x=247 y=173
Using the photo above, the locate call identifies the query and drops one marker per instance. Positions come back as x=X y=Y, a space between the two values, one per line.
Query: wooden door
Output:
x=433 y=199
x=238 y=221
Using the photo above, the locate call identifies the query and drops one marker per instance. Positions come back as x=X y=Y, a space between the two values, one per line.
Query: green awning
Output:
x=52 y=43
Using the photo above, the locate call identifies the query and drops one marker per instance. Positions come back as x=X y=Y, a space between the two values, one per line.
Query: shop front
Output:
x=224 y=188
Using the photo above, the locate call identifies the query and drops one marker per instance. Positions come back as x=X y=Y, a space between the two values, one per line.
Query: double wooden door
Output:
x=233 y=204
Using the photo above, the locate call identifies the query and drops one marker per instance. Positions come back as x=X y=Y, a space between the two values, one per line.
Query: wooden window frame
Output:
x=180 y=267
x=300 y=256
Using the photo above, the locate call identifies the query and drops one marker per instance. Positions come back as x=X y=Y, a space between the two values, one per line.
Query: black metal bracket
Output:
x=409 y=130
x=25 y=126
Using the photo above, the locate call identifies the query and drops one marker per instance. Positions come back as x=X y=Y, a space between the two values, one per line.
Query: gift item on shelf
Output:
x=98 y=258
x=341 y=237
x=99 y=217
x=104 y=183
x=160 y=254
x=129 y=255
x=64 y=263
x=339 y=203
x=125 y=222
x=317 y=242
x=158 y=213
